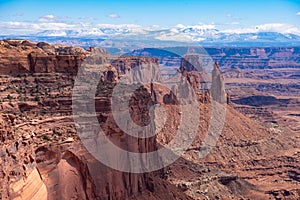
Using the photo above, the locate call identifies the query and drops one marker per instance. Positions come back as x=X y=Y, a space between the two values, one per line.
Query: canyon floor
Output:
x=271 y=96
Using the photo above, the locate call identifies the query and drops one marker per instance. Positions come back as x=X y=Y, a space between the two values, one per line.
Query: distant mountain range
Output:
x=133 y=37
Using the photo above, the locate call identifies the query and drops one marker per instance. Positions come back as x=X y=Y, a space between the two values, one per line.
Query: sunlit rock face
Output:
x=21 y=56
x=218 y=92
x=42 y=156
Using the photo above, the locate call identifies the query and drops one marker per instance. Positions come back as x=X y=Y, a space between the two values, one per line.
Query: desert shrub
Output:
x=36 y=98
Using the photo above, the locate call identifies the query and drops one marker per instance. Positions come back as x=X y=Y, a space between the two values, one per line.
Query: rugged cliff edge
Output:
x=42 y=156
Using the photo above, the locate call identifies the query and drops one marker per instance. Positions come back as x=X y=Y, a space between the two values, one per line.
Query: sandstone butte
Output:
x=42 y=156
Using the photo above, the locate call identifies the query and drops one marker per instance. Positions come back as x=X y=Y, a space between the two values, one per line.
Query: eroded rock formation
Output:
x=43 y=157
x=20 y=56
x=41 y=154
x=218 y=92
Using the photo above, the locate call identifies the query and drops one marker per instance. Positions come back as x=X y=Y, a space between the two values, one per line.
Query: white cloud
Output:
x=298 y=13
x=229 y=15
x=113 y=15
x=55 y=26
x=118 y=26
x=179 y=32
x=89 y=18
x=47 y=18
x=233 y=23
x=275 y=27
x=199 y=26
x=31 y=28
x=173 y=37
x=57 y=34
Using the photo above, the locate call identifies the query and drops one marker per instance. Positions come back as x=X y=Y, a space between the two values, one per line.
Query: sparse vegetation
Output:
x=36 y=98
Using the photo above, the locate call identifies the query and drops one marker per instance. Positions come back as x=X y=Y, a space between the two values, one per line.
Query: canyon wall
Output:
x=18 y=57
x=41 y=154
x=43 y=157
x=256 y=58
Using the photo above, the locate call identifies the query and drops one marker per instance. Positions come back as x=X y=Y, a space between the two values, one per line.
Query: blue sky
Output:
x=225 y=14
x=153 y=12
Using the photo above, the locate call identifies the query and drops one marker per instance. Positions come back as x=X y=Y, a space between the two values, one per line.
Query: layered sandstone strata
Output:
x=41 y=154
x=40 y=147
x=20 y=56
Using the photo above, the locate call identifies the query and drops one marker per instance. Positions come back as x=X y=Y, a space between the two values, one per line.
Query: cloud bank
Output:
x=112 y=15
x=50 y=25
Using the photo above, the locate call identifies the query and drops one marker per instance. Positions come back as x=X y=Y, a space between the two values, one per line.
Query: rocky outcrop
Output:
x=19 y=177
x=30 y=187
x=191 y=68
x=41 y=151
x=256 y=58
x=217 y=90
x=71 y=172
x=41 y=154
x=20 y=56
x=124 y=64
x=231 y=57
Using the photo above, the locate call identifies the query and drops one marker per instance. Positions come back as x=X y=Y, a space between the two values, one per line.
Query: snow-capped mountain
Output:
x=264 y=35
